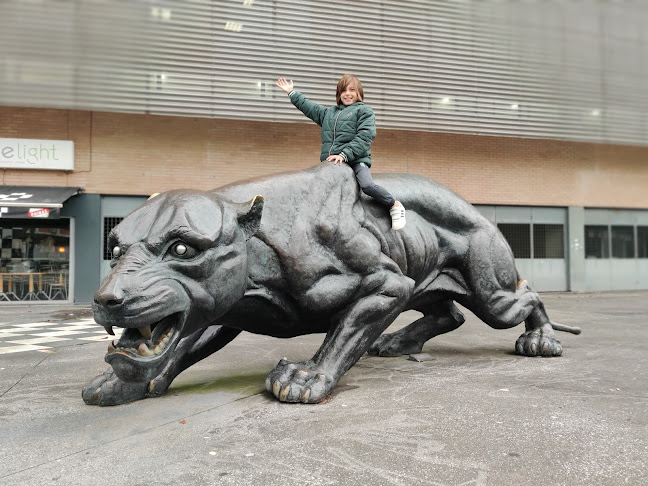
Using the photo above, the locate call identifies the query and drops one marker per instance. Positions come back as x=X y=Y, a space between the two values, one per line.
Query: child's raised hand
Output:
x=285 y=85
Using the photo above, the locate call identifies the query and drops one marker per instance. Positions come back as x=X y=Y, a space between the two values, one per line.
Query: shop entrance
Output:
x=35 y=260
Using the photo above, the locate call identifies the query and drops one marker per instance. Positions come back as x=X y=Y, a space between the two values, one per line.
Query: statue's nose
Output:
x=118 y=285
x=107 y=299
x=109 y=294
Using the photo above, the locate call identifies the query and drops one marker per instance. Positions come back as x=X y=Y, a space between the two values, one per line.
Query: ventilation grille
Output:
x=518 y=237
x=108 y=225
x=642 y=241
x=548 y=241
x=597 y=241
x=544 y=69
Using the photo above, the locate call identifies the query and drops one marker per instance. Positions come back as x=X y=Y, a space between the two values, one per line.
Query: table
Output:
x=31 y=294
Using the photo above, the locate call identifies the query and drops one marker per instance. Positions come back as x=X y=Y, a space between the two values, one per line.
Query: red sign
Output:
x=38 y=213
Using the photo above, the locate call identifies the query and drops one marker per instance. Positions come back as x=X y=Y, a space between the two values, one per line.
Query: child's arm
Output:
x=365 y=134
x=309 y=108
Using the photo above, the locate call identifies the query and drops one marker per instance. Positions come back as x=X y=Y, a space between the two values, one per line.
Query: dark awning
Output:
x=34 y=201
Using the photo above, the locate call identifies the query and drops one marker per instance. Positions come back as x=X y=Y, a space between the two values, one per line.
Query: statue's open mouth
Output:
x=142 y=342
x=141 y=352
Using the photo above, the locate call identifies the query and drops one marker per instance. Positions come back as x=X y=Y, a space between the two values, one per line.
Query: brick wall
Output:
x=119 y=153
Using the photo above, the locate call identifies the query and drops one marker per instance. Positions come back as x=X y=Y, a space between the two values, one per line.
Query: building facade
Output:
x=539 y=122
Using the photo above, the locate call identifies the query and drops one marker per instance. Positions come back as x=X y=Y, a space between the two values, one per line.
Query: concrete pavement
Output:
x=476 y=414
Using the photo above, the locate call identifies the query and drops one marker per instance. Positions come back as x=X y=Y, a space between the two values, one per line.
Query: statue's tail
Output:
x=560 y=327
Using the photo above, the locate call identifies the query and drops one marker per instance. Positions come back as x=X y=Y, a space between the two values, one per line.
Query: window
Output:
x=642 y=241
x=34 y=260
x=109 y=224
x=548 y=241
x=623 y=242
x=518 y=237
x=597 y=242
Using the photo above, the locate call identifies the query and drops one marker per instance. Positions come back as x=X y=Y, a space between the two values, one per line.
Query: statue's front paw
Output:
x=539 y=342
x=106 y=390
x=300 y=382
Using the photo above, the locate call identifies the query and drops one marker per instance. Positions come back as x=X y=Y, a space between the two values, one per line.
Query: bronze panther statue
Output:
x=306 y=254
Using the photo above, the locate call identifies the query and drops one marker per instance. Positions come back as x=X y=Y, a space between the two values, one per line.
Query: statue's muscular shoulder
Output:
x=312 y=240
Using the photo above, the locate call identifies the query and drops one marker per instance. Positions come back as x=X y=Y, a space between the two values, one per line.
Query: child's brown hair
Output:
x=344 y=82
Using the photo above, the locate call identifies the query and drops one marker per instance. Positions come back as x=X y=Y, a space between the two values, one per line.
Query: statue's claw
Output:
x=539 y=342
x=294 y=383
x=106 y=390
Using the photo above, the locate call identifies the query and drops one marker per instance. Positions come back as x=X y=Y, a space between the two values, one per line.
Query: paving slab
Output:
x=477 y=414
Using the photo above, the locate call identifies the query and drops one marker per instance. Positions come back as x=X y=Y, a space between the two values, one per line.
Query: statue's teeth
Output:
x=144 y=350
x=109 y=330
x=111 y=346
x=145 y=332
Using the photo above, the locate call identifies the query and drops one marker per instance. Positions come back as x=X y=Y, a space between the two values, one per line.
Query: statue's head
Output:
x=179 y=262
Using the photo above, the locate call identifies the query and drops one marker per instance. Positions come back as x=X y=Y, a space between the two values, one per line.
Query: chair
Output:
x=30 y=267
x=57 y=287
x=9 y=293
x=17 y=283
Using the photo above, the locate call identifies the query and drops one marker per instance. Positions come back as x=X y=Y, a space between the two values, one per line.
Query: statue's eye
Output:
x=180 y=249
x=116 y=252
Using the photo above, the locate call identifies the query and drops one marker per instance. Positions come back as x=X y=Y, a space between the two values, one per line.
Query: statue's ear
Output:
x=249 y=216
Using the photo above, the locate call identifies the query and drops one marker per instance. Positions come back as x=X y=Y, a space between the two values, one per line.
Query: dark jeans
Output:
x=370 y=188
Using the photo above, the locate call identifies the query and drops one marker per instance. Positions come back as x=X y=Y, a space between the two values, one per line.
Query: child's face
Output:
x=349 y=95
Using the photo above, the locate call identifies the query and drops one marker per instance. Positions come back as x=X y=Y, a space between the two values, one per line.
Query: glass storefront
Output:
x=34 y=260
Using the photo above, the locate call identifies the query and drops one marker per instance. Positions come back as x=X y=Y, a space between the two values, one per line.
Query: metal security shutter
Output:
x=540 y=68
x=615 y=243
x=536 y=236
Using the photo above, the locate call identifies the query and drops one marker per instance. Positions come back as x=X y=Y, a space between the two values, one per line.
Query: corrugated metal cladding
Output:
x=562 y=69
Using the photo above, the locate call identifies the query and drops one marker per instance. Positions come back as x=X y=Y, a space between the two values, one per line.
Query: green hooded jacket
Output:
x=346 y=130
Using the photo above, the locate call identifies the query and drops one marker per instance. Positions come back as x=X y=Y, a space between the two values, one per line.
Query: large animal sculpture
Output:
x=296 y=254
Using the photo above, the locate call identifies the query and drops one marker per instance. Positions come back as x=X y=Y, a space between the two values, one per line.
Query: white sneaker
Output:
x=397 y=213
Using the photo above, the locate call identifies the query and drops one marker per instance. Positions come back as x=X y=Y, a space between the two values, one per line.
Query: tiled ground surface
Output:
x=43 y=336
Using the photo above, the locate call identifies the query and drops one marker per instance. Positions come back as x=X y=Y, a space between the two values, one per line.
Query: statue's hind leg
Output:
x=502 y=301
x=107 y=389
x=438 y=318
x=506 y=309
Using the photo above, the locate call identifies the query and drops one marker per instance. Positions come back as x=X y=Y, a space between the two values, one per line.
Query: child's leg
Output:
x=370 y=188
x=380 y=194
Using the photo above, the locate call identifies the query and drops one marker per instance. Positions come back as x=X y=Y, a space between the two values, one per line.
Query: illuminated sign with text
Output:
x=20 y=153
